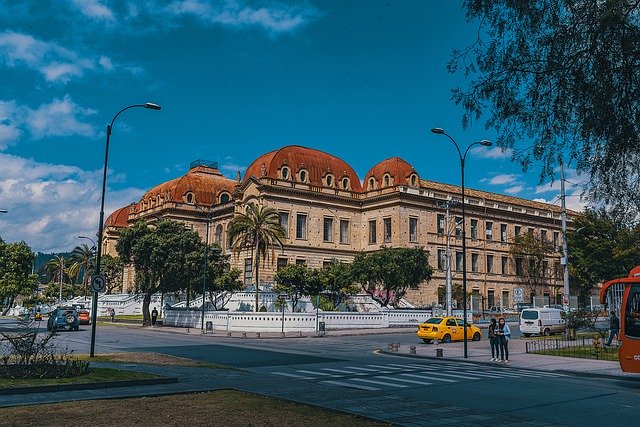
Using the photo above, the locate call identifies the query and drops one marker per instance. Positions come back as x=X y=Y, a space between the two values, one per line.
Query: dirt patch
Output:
x=146 y=358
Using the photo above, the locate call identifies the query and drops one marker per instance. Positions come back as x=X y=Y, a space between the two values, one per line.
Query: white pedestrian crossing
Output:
x=379 y=382
x=350 y=385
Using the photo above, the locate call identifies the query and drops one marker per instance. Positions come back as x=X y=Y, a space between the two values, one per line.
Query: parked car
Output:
x=543 y=321
x=63 y=318
x=84 y=316
x=447 y=329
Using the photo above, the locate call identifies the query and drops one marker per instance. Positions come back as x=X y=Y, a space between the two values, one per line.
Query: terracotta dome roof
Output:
x=202 y=185
x=317 y=164
x=118 y=218
x=398 y=170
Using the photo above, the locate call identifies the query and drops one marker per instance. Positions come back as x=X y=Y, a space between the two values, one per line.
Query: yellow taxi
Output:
x=447 y=329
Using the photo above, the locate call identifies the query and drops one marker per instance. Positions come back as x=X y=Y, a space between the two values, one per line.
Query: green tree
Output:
x=164 y=258
x=84 y=256
x=386 y=274
x=338 y=282
x=222 y=286
x=603 y=246
x=57 y=269
x=297 y=280
x=562 y=74
x=257 y=229
x=16 y=262
x=113 y=270
x=529 y=253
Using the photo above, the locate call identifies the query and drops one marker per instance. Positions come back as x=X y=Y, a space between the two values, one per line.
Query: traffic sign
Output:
x=98 y=282
x=518 y=295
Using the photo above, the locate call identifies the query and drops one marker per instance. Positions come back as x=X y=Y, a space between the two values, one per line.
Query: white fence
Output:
x=293 y=322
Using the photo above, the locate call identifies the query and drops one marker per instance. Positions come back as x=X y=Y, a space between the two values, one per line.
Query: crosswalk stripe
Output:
x=404 y=380
x=385 y=383
x=454 y=375
x=291 y=375
x=382 y=367
x=350 y=385
x=316 y=373
x=342 y=371
x=423 y=377
x=361 y=369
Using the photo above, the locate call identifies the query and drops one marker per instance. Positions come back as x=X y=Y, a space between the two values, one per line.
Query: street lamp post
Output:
x=440 y=131
x=85 y=273
x=206 y=265
x=94 y=302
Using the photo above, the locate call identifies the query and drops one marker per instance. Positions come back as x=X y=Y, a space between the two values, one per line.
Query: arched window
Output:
x=229 y=242
x=158 y=200
x=329 y=180
x=150 y=202
x=303 y=176
x=218 y=235
x=372 y=183
x=224 y=198
x=189 y=198
x=284 y=172
x=413 y=180
x=386 y=180
x=345 y=183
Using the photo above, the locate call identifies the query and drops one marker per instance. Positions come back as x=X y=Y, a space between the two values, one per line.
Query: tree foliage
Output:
x=166 y=258
x=257 y=229
x=297 y=280
x=562 y=74
x=532 y=252
x=16 y=262
x=604 y=246
x=338 y=282
x=386 y=274
x=113 y=269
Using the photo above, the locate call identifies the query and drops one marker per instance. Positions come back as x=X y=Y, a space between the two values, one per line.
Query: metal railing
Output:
x=580 y=347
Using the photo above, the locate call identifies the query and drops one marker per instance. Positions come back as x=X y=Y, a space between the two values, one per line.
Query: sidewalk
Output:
x=480 y=352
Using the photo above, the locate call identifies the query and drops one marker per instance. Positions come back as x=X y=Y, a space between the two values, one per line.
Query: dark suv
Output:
x=63 y=317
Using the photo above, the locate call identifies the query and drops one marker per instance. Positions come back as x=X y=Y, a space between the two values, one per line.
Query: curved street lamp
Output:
x=486 y=143
x=94 y=302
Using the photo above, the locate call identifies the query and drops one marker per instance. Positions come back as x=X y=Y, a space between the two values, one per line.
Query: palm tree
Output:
x=257 y=229
x=84 y=256
x=56 y=267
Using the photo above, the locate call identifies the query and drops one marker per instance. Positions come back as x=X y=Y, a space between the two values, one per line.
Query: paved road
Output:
x=343 y=372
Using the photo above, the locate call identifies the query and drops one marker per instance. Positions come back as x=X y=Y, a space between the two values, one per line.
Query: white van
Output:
x=543 y=321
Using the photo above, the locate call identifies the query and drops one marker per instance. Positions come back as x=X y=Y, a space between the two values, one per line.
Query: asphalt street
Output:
x=345 y=373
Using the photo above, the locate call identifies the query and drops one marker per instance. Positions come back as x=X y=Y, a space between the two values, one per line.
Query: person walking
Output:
x=614 y=328
x=493 y=340
x=154 y=316
x=504 y=333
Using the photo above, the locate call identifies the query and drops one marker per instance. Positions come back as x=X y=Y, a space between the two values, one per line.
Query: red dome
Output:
x=317 y=164
x=118 y=218
x=398 y=170
x=202 y=185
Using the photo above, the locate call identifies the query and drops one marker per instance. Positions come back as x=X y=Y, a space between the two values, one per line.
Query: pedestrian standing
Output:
x=504 y=333
x=112 y=312
x=614 y=328
x=493 y=340
x=154 y=316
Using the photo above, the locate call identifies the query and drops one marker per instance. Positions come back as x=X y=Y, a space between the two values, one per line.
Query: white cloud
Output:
x=514 y=190
x=54 y=62
x=94 y=9
x=231 y=169
x=50 y=205
x=492 y=152
x=9 y=131
x=59 y=118
x=502 y=179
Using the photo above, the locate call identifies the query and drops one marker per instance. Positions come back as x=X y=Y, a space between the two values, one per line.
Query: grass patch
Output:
x=582 y=352
x=94 y=375
x=223 y=407
x=147 y=359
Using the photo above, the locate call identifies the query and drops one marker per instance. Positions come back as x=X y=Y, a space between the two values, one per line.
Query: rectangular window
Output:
x=344 y=231
x=556 y=237
x=248 y=273
x=327 y=230
x=545 y=268
x=459 y=226
x=557 y=271
x=459 y=259
x=442 y=260
x=517 y=230
x=372 y=232
x=530 y=231
x=503 y=232
x=301 y=261
x=505 y=299
x=543 y=236
x=301 y=226
x=282 y=262
x=284 y=222
x=504 y=267
x=491 y=298
x=413 y=230
x=474 y=262
x=387 y=229
x=519 y=268
x=489 y=230
x=489 y=263
x=474 y=229
x=440 y=224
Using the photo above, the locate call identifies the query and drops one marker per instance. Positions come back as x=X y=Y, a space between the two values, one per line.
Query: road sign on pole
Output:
x=98 y=282
x=518 y=295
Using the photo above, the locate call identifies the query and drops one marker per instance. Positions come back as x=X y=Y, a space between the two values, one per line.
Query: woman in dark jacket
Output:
x=493 y=340
x=504 y=333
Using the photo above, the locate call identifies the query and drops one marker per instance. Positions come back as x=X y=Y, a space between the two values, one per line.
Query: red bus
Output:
x=623 y=296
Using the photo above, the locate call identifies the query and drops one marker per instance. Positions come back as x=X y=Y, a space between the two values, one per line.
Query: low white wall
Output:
x=294 y=322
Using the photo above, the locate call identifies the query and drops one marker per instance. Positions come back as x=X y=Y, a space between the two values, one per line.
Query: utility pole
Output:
x=565 y=252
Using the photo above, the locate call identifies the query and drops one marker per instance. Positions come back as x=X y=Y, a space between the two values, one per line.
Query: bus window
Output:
x=632 y=313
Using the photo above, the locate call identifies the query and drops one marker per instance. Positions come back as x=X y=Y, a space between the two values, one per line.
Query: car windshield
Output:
x=434 y=320
x=529 y=314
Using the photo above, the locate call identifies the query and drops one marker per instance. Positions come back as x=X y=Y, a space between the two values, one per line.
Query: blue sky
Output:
x=364 y=80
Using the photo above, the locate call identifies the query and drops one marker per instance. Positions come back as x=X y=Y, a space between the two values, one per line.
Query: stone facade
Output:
x=328 y=214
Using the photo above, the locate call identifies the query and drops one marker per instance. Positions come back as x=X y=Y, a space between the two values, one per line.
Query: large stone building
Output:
x=329 y=213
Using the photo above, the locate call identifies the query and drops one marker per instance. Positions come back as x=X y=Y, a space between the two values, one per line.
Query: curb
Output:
x=86 y=386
